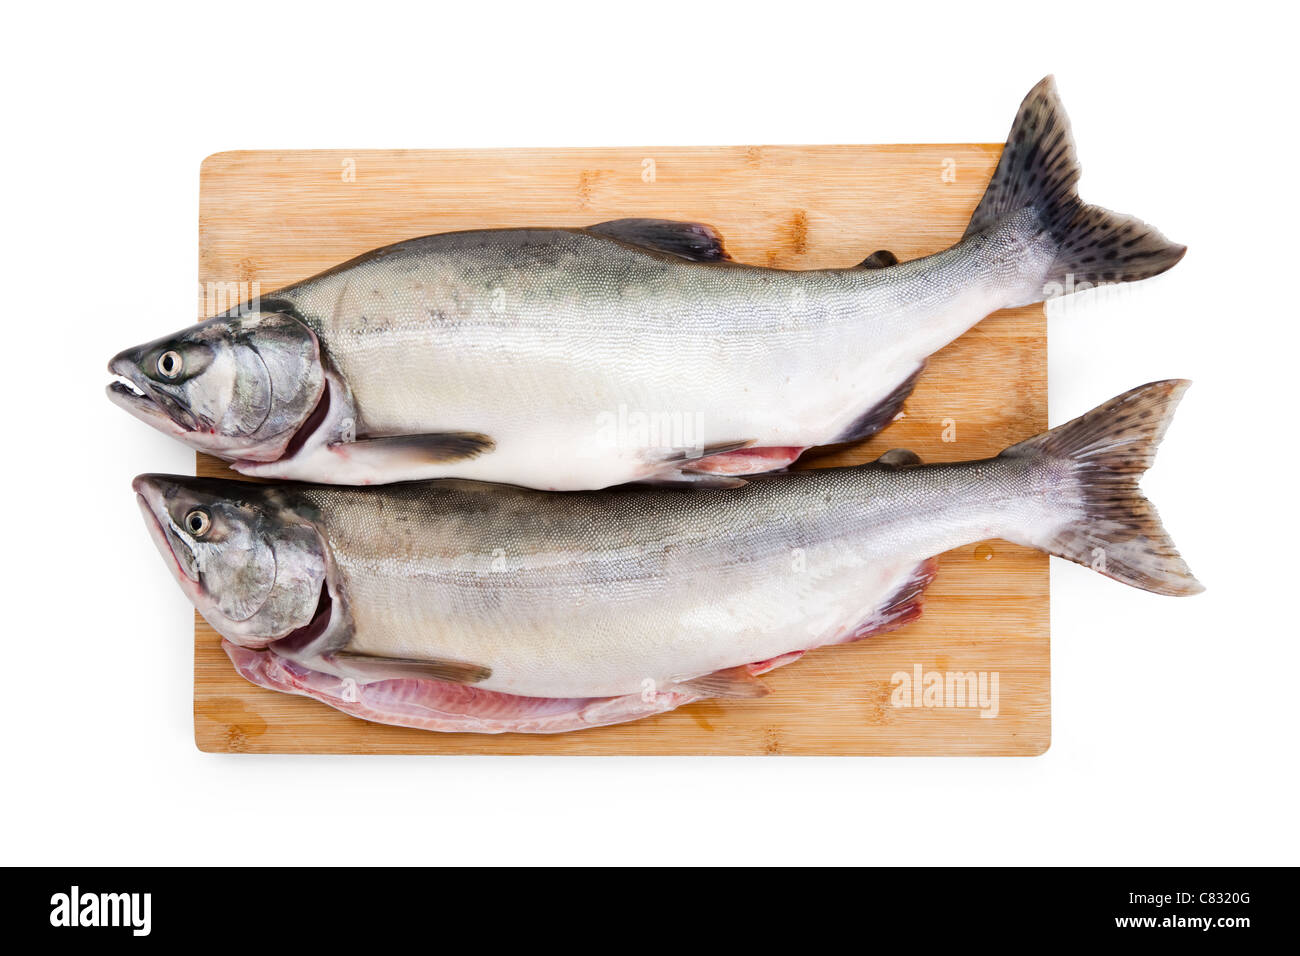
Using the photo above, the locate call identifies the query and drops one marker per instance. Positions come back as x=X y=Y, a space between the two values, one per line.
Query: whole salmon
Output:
x=626 y=351
x=456 y=605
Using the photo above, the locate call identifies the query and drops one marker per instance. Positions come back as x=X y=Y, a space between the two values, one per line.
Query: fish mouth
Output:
x=132 y=391
x=148 y=496
x=126 y=392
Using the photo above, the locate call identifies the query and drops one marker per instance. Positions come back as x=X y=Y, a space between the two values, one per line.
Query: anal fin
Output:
x=693 y=241
x=882 y=413
x=901 y=607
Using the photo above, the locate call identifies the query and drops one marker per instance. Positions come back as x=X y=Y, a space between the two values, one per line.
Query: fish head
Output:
x=248 y=558
x=236 y=386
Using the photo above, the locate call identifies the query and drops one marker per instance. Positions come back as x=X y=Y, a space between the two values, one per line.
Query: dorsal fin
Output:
x=686 y=240
x=880 y=259
x=898 y=458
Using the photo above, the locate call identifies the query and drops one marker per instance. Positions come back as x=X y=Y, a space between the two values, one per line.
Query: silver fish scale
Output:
x=530 y=335
x=593 y=593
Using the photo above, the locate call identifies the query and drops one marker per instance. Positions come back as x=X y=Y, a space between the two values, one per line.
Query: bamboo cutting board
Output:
x=269 y=218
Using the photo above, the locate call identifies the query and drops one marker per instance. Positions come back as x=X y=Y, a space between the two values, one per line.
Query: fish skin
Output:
x=589 y=360
x=715 y=349
x=620 y=592
x=593 y=594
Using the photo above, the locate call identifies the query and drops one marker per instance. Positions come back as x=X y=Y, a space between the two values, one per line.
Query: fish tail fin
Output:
x=1097 y=460
x=1072 y=242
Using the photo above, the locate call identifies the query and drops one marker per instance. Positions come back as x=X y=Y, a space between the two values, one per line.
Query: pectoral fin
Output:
x=417 y=449
x=687 y=240
x=396 y=668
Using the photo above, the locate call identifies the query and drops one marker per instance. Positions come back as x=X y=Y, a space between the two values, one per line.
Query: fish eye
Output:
x=197 y=522
x=169 y=364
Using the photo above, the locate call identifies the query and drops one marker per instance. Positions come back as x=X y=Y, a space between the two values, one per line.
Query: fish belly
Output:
x=629 y=637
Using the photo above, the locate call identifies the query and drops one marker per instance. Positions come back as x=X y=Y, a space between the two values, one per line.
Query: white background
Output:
x=1174 y=721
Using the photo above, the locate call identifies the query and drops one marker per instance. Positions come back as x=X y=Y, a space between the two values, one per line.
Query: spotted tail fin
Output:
x=1111 y=526
x=1035 y=181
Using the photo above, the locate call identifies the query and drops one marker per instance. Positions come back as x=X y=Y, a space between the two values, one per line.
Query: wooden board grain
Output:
x=269 y=218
